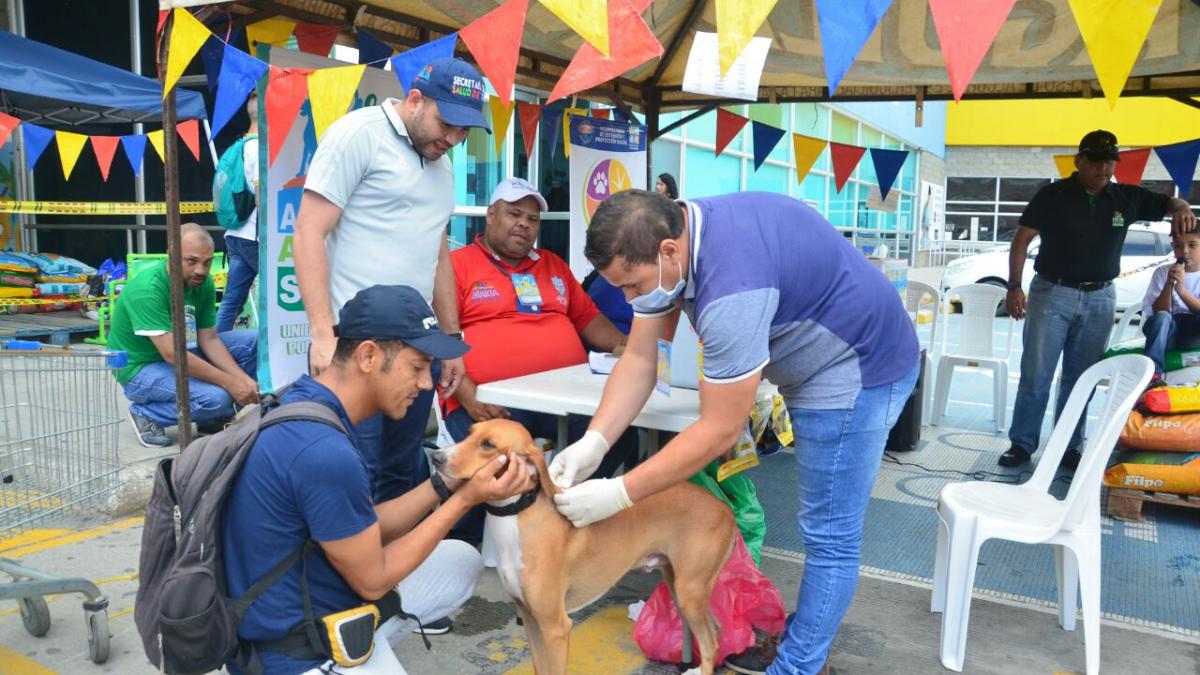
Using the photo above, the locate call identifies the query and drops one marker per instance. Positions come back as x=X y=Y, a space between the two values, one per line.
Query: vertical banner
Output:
x=606 y=158
x=283 y=330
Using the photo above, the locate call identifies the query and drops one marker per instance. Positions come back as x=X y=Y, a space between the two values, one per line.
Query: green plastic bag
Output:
x=739 y=493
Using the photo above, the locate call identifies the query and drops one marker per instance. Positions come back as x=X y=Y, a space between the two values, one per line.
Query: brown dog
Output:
x=551 y=568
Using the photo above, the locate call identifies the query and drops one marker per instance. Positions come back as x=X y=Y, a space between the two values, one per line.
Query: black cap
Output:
x=1099 y=145
x=396 y=313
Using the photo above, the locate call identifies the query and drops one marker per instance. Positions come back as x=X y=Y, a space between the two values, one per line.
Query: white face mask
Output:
x=660 y=298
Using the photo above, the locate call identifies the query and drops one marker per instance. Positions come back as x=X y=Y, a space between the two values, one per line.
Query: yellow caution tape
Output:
x=41 y=208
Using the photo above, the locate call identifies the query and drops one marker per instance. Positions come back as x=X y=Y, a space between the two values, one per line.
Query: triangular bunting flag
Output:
x=1065 y=165
x=407 y=64
x=501 y=118
x=36 y=140
x=162 y=19
x=528 y=115
x=187 y=34
x=331 y=91
x=156 y=141
x=728 y=126
x=627 y=117
x=69 y=146
x=210 y=56
x=135 y=148
x=189 y=131
x=240 y=73
x=601 y=113
x=105 y=147
x=316 y=38
x=966 y=29
x=846 y=25
x=633 y=43
x=372 y=51
x=845 y=159
x=7 y=124
x=586 y=17
x=286 y=90
x=1113 y=32
x=495 y=41
x=566 y=124
x=766 y=137
x=552 y=126
x=887 y=167
x=1180 y=161
x=807 y=150
x=268 y=31
x=737 y=22
x=1132 y=165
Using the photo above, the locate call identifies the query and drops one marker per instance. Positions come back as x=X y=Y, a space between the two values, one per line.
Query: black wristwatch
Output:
x=440 y=487
x=457 y=336
x=1012 y=286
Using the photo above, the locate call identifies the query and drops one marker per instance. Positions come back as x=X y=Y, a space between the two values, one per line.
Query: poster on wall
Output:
x=933 y=209
x=283 y=330
x=606 y=158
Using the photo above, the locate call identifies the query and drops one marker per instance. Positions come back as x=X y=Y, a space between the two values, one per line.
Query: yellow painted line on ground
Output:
x=602 y=645
x=12 y=663
x=120 y=614
x=30 y=537
x=54 y=538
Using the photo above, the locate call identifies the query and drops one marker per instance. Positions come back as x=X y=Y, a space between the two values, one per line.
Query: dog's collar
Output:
x=514 y=508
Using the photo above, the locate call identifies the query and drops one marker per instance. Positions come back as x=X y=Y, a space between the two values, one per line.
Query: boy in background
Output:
x=1171 y=308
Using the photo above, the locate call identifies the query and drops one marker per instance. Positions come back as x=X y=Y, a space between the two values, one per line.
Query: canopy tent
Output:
x=53 y=87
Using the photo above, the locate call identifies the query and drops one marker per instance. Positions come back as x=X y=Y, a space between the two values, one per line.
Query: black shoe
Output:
x=211 y=427
x=756 y=659
x=149 y=433
x=1071 y=459
x=1015 y=456
x=437 y=626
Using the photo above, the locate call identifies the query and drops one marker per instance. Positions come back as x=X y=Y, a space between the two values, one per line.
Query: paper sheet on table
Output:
x=602 y=363
x=703 y=73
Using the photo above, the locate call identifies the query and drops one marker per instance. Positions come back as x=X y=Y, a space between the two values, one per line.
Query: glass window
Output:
x=709 y=175
x=477 y=169
x=768 y=178
x=463 y=230
x=1020 y=189
x=555 y=236
x=703 y=128
x=812 y=119
x=1194 y=197
x=841 y=206
x=812 y=190
x=1006 y=227
x=1140 y=243
x=871 y=138
x=553 y=168
x=970 y=207
x=665 y=157
x=960 y=225
x=971 y=189
x=845 y=130
x=1166 y=187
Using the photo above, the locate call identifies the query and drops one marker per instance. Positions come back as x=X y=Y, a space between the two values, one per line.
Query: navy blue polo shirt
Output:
x=302 y=480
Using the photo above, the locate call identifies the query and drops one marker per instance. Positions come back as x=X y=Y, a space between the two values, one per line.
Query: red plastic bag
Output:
x=743 y=599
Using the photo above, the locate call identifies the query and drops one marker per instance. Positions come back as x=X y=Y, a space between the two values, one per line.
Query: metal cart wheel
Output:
x=98 y=636
x=35 y=614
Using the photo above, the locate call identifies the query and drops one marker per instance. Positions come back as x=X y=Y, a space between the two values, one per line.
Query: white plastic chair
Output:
x=976 y=346
x=1127 y=314
x=917 y=298
x=970 y=513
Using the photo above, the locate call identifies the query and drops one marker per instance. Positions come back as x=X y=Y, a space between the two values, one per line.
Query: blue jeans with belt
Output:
x=838 y=453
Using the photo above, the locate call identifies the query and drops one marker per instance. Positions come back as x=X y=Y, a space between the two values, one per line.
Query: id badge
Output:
x=663 y=379
x=527 y=290
x=1118 y=219
x=189 y=327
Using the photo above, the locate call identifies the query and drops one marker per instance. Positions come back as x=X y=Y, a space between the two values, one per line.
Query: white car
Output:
x=1147 y=246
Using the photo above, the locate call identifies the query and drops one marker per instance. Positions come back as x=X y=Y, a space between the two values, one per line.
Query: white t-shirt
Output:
x=395 y=205
x=249 y=229
x=1158 y=280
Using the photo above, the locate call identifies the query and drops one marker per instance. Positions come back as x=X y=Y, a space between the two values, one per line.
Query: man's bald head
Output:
x=196 y=246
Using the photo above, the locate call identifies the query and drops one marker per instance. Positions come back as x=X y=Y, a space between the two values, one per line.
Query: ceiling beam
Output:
x=677 y=40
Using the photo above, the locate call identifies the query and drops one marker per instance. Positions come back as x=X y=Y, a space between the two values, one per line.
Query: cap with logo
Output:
x=396 y=313
x=515 y=189
x=458 y=89
x=1100 y=145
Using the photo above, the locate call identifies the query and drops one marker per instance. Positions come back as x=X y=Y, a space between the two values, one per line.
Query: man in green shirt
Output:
x=221 y=366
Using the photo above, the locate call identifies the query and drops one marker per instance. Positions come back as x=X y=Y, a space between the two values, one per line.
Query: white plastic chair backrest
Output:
x=1127 y=376
x=977 y=331
x=1128 y=313
x=923 y=296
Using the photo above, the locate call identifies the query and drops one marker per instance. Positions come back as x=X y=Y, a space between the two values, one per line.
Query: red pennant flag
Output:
x=728 y=126
x=630 y=41
x=845 y=159
x=315 y=38
x=529 y=115
x=7 y=124
x=1132 y=165
x=495 y=41
x=966 y=29
x=189 y=131
x=601 y=113
x=286 y=90
x=105 y=147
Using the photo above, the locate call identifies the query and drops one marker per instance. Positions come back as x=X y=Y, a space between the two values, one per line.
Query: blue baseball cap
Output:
x=396 y=313
x=458 y=89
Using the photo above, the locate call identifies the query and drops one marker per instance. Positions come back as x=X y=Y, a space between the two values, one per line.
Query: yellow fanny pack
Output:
x=349 y=636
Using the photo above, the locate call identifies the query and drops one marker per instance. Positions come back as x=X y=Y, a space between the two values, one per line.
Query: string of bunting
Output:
x=1179 y=159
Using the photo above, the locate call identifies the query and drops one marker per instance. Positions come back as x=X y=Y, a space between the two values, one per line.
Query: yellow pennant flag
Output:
x=270 y=31
x=808 y=149
x=156 y=139
x=589 y=18
x=737 y=22
x=331 y=91
x=69 y=147
x=1113 y=32
x=187 y=36
x=566 y=137
x=501 y=117
x=1065 y=165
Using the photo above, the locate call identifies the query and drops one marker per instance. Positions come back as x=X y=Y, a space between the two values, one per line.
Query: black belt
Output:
x=1081 y=285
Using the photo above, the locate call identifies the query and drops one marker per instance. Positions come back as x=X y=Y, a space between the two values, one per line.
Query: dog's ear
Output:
x=538 y=457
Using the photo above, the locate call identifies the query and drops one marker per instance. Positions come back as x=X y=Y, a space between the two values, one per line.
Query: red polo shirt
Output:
x=510 y=342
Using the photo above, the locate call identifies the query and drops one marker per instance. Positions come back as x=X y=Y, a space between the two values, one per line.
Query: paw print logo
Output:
x=600 y=183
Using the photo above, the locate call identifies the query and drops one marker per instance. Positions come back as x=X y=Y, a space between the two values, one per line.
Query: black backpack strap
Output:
x=308 y=411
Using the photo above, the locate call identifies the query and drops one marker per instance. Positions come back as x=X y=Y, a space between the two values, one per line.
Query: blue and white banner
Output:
x=606 y=158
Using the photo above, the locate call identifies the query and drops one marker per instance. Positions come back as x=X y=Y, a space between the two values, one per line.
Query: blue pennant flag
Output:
x=406 y=65
x=846 y=25
x=887 y=167
x=36 y=140
x=1180 y=161
x=766 y=137
x=135 y=147
x=628 y=118
x=240 y=73
x=210 y=54
x=552 y=125
x=371 y=50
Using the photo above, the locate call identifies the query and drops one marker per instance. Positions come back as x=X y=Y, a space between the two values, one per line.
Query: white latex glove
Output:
x=578 y=460
x=593 y=500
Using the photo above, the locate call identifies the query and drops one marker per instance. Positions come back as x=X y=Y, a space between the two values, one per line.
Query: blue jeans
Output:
x=392 y=448
x=838 y=453
x=1058 y=321
x=1169 y=331
x=151 y=392
x=242 y=257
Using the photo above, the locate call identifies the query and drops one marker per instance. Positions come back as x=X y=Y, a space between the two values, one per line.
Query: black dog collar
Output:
x=514 y=508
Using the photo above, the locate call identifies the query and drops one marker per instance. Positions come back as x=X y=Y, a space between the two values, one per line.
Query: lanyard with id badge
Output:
x=529 y=298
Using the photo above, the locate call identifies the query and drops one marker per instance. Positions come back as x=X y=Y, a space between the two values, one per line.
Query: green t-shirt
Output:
x=144 y=310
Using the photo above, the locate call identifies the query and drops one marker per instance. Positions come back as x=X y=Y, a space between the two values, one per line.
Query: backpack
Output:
x=233 y=199
x=186 y=619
